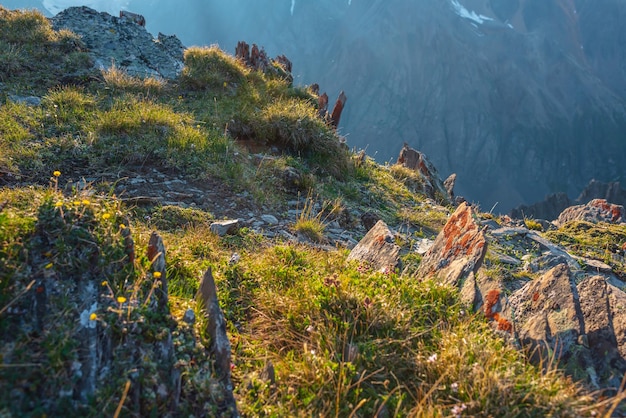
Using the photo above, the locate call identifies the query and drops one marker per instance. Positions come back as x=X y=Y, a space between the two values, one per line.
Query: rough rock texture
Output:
x=433 y=186
x=377 y=248
x=547 y=313
x=112 y=41
x=549 y=208
x=220 y=345
x=554 y=204
x=458 y=250
x=556 y=305
x=598 y=210
x=612 y=192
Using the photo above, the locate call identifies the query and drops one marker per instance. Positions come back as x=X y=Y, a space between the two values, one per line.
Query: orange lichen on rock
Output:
x=491 y=299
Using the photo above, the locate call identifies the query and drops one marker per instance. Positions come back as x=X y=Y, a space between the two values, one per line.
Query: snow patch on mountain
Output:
x=471 y=15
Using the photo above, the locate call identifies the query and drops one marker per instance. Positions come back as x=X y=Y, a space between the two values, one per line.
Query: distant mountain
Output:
x=521 y=98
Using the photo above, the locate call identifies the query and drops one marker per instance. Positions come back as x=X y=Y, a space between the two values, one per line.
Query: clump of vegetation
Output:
x=533 y=225
x=601 y=241
x=34 y=57
x=83 y=330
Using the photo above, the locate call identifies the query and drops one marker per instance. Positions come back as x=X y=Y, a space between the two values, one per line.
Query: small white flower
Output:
x=432 y=358
x=454 y=387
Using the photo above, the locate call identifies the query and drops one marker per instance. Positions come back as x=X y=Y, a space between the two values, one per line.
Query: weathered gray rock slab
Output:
x=227 y=227
x=378 y=248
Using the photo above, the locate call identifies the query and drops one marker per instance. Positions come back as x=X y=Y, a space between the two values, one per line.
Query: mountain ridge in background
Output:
x=521 y=98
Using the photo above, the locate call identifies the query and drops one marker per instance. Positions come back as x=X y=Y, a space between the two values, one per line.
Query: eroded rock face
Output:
x=458 y=250
x=598 y=210
x=547 y=313
x=112 y=41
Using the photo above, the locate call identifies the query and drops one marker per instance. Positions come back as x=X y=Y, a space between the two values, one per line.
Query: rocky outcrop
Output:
x=554 y=204
x=458 y=250
x=612 y=192
x=598 y=210
x=557 y=306
x=122 y=43
x=549 y=209
x=432 y=185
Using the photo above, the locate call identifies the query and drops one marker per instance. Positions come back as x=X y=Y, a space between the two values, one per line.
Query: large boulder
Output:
x=598 y=210
x=122 y=43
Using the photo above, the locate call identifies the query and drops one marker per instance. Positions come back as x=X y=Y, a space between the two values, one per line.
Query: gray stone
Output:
x=27 y=100
x=227 y=227
x=112 y=41
x=378 y=248
x=269 y=219
x=189 y=317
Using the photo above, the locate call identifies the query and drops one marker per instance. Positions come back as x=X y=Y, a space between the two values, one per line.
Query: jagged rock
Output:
x=226 y=227
x=257 y=59
x=458 y=251
x=378 y=248
x=417 y=161
x=122 y=43
x=546 y=209
x=423 y=245
x=448 y=184
x=335 y=116
x=554 y=204
x=598 y=210
x=612 y=192
x=220 y=345
x=582 y=326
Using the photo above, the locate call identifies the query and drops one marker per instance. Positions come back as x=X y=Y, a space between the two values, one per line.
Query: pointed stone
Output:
x=459 y=249
x=156 y=255
x=216 y=329
x=378 y=248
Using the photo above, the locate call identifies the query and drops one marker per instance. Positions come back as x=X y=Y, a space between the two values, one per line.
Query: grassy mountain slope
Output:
x=340 y=339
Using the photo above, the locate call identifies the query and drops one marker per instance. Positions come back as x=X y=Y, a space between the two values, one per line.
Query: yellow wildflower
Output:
x=157 y=274
x=106 y=216
x=58 y=204
x=93 y=316
x=86 y=202
x=56 y=173
x=121 y=299
x=49 y=265
x=104 y=283
x=122 y=226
